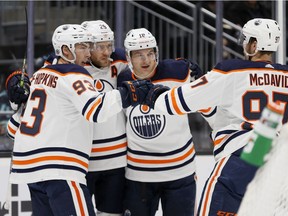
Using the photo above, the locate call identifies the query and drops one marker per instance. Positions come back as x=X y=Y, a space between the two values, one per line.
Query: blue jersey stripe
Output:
x=12 y=120
x=101 y=141
x=50 y=166
x=91 y=100
x=239 y=133
x=210 y=114
x=50 y=149
x=167 y=105
x=182 y=101
x=96 y=113
x=162 y=154
x=103 y=157
x=225 y=132
x=157 y=169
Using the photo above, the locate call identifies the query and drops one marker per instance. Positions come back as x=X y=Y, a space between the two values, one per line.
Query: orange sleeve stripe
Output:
x=49 y=158
x=11 y=130
x=143 y=161
x=174 y=103
x=205 y=110
x=78 y=198
x=98 y=101
x=110 y=148
x=216 y=142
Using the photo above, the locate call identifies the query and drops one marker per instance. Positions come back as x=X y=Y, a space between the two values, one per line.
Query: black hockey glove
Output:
x=154 y=93
x=18 y=90
x=196 y=71
x=134 y=93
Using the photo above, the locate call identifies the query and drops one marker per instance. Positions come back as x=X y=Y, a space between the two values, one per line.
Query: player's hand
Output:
x=134 y=92
x=18 y=90
x=195 y=70
x=154 y=93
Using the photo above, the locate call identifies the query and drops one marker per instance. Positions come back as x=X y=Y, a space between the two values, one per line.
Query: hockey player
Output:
x=161 y=154
x=54 y=134
x=107 y=162
x=239 y=89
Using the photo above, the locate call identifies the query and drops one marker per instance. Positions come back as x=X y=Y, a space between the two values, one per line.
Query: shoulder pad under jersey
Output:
x=50 y=58
x=68 y=68
x=280 y=67
x=239 y=64
x=172 y=69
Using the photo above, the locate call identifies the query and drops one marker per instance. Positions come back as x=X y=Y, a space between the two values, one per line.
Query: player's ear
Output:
x=65 y=50
x=254 y=45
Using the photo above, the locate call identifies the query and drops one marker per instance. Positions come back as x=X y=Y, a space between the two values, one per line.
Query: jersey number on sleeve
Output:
x=81 y=86
x=263 y=100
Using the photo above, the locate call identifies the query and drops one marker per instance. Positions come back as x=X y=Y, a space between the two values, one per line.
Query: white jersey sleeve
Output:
x=205 y=92
x=54 y=138
x=237 y=91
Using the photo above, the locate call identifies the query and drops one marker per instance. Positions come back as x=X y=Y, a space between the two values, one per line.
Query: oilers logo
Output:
x=102 y=85
x=146 y=124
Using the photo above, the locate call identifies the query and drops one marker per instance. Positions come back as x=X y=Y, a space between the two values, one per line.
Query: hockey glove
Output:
x=154 y=93
x=195 y=70
x=18 y=92
x=134 y=93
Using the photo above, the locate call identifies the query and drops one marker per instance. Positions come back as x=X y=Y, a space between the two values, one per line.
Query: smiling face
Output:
x=101 y=52
x=144 y=62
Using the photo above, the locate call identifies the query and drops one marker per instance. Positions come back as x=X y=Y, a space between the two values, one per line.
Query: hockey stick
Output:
x=21 y=83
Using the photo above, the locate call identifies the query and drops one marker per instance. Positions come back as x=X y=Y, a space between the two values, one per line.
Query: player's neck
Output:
x=62 y=61
x=262 y=58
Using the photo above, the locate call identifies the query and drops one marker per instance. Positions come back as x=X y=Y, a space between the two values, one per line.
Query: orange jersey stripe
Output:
x=110 y=148
x=216 y=142
x=98 y=101
x=174 y=103
x=78 y=198
x=162 y=161
x=210 y=185
x=47 y=158
x=11 y=130
x=205 y=110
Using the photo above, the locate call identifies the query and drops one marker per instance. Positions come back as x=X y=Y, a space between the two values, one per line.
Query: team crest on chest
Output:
x=146 y=124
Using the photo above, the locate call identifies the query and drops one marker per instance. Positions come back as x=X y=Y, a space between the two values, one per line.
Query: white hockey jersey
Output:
x=109 y=146
x=237 y=91
x=54 y=138
x=160 y=146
